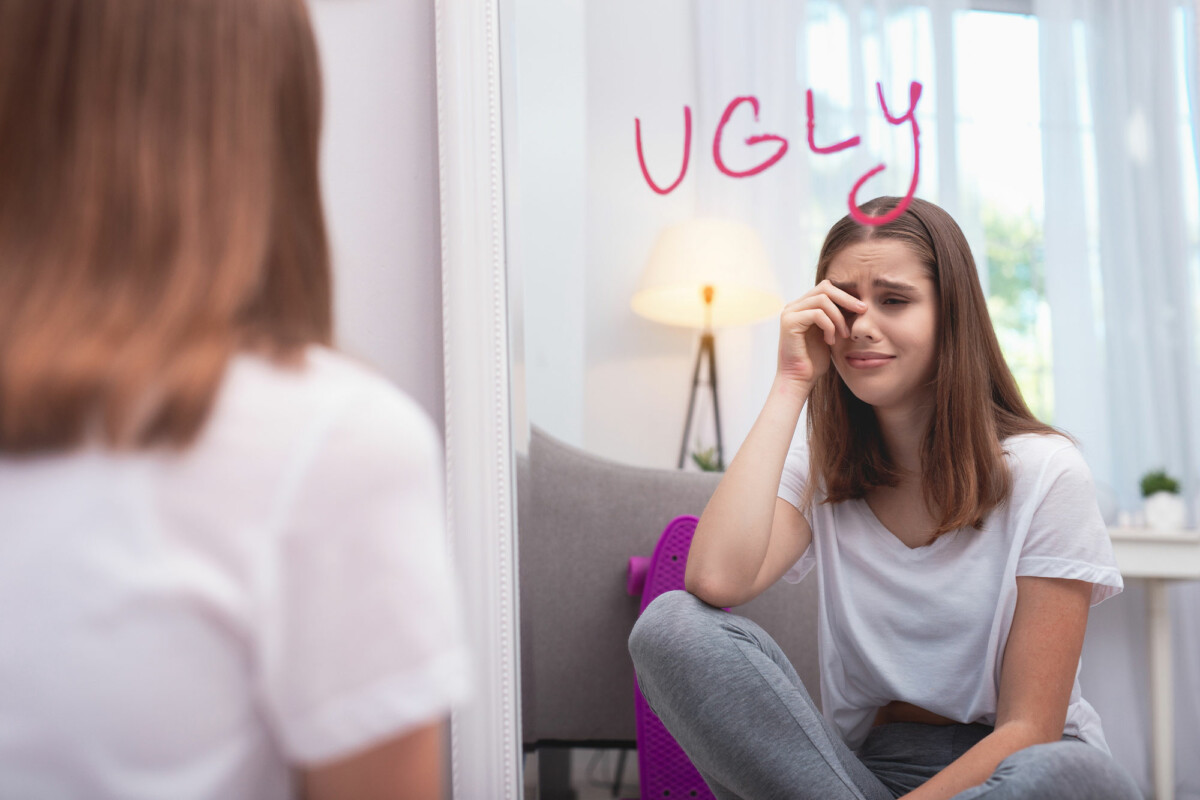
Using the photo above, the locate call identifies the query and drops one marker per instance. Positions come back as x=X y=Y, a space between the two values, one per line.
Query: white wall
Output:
x=597 y=375
x=581 y=223
x=545 y=138
x=640 y=64
x=380 y=177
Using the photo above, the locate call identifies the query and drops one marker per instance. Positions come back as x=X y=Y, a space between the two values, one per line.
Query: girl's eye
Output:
x=894 y=301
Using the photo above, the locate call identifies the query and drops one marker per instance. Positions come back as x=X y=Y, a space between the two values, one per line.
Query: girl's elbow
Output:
x=693 y=584
x=713 y=592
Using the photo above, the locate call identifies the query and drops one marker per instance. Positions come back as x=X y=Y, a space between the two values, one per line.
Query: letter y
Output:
x=914 y=94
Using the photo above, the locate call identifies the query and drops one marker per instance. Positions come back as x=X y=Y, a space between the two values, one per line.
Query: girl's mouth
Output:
x=868 y=361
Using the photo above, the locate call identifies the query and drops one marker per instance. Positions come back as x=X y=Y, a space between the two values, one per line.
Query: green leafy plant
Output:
x=706 y=459
x=1158 y=481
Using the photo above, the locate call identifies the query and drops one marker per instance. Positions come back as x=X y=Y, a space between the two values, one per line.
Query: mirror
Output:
x=622 y=119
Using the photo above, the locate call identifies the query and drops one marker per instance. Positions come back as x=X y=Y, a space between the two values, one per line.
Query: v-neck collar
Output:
x=890 y=540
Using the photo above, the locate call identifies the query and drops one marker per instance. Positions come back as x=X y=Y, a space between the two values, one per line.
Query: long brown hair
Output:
x=977 y=402
x=159 y=211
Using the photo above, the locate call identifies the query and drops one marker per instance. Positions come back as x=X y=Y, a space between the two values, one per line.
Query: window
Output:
x=1000 y=179
x=996 y=179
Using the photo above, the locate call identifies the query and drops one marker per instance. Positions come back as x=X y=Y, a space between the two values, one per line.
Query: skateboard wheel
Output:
x=636 y=582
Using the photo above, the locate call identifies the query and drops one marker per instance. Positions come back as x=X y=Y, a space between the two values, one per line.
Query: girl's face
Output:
x=888 y=361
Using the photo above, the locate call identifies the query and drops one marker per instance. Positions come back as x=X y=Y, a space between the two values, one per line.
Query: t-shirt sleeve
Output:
x=1067 y=536
x=360 y=636
x=791 y=488
x=795 y=474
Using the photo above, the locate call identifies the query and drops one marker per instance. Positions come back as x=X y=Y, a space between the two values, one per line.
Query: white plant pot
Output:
x=1164 y=511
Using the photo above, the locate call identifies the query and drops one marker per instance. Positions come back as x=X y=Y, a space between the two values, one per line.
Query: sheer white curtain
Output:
x=1119 y=143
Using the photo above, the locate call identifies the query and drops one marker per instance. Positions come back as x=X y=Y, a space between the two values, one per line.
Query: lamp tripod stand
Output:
x=707 y=348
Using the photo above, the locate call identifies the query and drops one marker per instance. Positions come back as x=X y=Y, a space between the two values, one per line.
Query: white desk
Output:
x=1158 y=557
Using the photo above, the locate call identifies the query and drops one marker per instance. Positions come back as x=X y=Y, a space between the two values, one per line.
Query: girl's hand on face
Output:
x=808 y=328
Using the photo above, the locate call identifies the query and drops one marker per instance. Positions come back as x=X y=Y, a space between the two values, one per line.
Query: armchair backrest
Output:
x=579 y=519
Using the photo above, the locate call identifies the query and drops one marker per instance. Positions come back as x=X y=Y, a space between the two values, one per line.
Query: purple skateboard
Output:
x=663 y=768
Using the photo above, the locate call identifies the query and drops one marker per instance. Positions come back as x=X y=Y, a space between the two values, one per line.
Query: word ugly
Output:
x=914 y=94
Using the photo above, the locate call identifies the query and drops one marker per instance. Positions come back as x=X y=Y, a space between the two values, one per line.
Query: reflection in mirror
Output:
x=1073 y=179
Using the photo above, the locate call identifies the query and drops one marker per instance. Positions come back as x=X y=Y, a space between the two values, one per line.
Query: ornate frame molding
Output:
x=485 y=747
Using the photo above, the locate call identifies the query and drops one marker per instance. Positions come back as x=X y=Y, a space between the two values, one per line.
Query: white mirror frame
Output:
x=485 y=749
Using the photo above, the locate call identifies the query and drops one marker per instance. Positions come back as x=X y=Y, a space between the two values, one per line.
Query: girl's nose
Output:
x=862 y=327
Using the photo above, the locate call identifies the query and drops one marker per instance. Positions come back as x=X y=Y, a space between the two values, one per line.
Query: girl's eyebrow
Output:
x=878 y=283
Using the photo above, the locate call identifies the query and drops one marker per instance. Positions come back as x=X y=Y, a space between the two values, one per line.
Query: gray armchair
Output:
x=580 y=518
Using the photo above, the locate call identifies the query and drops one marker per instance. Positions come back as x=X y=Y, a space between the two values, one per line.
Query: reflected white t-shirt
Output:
x=928 y=625
x=187 y=626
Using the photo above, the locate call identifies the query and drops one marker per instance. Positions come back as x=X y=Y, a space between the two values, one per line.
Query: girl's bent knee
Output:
x=667 y=623
x=1071 y=768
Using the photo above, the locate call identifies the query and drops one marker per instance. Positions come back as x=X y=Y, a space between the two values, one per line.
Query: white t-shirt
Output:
x=187 y=626
x=928 y=625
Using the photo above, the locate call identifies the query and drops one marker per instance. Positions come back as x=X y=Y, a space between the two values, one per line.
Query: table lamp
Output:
x=707 y=273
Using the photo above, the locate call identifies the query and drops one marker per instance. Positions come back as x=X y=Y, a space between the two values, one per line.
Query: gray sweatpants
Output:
x=729 y=696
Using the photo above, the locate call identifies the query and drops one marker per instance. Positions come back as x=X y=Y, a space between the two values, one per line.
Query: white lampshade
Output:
x=723 y=254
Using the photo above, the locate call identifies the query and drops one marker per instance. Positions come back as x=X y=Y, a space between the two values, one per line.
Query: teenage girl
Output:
x=956 y=542
x=222 y=571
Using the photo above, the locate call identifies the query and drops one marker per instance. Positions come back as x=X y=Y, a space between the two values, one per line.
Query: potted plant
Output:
x=706 y=460
x=1163 y=506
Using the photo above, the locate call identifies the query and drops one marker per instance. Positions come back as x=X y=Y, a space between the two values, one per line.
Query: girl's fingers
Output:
x=842 y=297
x=835 y=314
x=823 y=322
x=807 y=318
x=827 y=289
x=823 y=302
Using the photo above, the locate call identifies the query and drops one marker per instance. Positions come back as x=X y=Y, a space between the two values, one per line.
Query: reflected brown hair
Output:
x=160 y=210
x=977 y=402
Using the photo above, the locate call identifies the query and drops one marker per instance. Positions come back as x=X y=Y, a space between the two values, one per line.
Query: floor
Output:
x=593 y=773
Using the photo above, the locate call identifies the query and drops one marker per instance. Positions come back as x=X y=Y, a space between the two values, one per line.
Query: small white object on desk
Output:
x=1158 y=556
x=1164 y=511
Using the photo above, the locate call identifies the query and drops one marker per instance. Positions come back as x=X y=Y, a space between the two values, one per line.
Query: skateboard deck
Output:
x=664 y=770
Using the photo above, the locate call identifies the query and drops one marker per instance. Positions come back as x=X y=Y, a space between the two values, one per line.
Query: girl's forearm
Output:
x=977 y=764
x=730 y=543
